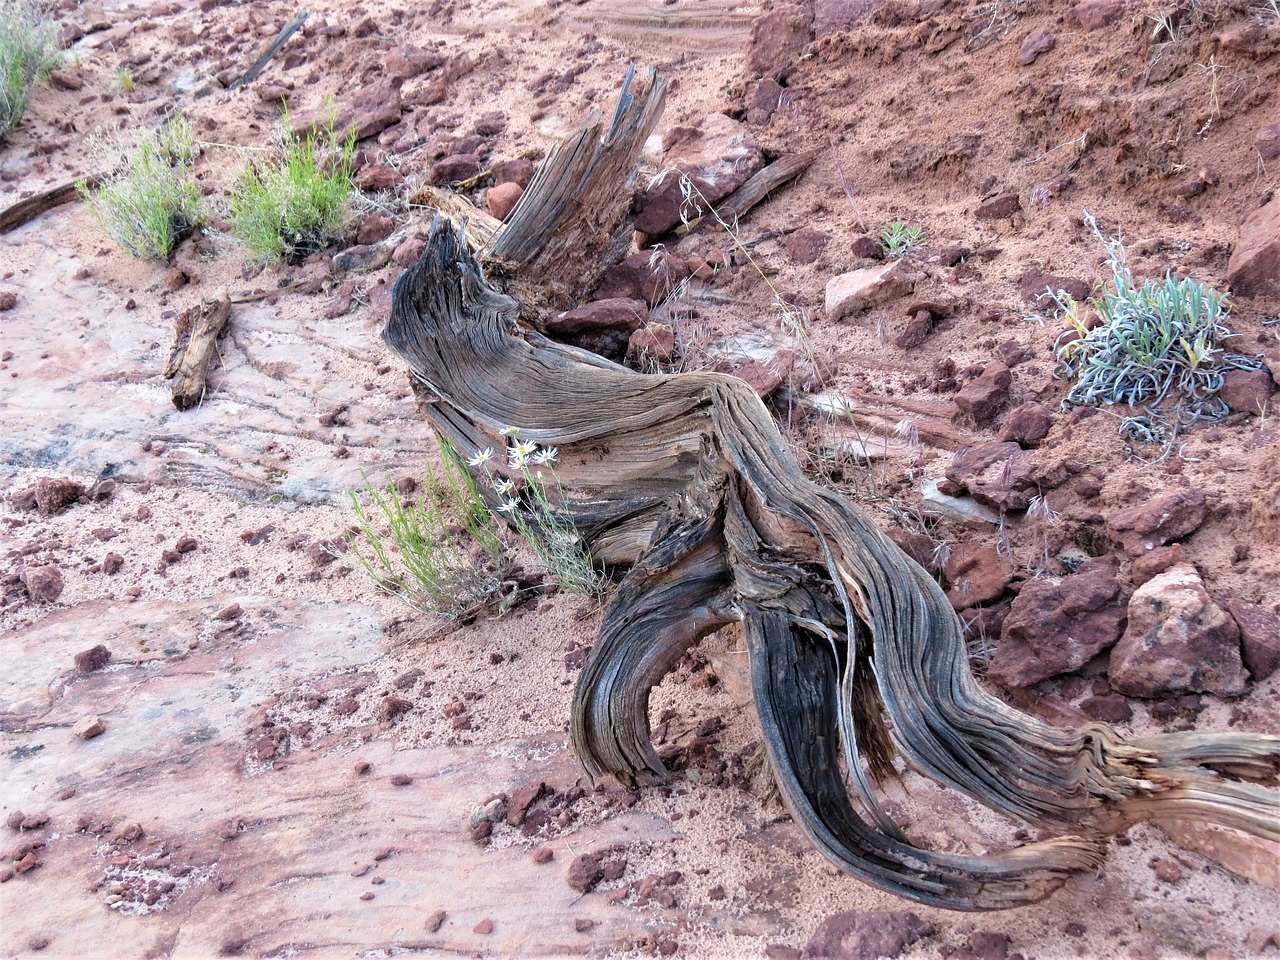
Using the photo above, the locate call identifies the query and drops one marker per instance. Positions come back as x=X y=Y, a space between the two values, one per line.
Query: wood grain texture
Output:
x=857 y=658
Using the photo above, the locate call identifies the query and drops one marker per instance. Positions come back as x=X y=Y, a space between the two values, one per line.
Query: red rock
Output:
x=1026 y=425
x=408 y=253
x=831 y=16
x=915 y=331
x=601 y=326
x=95 y=658
x=1109 y=708
x=764 y=102
x=228 y=613
x=484 y=927
x=543 y=855
x=112 y=563
x=454 y=168
x=981 y=399
x=650 y=276
x=582 y=924
x=435 y=921
x=976 y=573
x=778 y=37
x=66 y=80
x=1038 y=43
x=1259 y=637
x=1055 y=627
x=866 y=248
x=1247 y=391
x=27 y=863
x=984 y=945
x=1178 y=640
x=392 y=707
x=8 y=300
x=1156 y=562
x=996 y=474
x=765 y=376
x=867 y=933
x=43 y=583
x=368 y=113
x=1035 y=286
x=186 y=545
x=1167 y=871
x=653 y=341
x=502 y=199
x=868 y=287
x=374 y=227
x=521 y=799
x=806 y=244
x=1267 y=141
x=55 y=494
x=718 y=156
x=512 y=171
x=1169 y=516
x=376 y=177
x=1095 y=14
x=585 y=872
x=1254 y=268
x=1000 y=207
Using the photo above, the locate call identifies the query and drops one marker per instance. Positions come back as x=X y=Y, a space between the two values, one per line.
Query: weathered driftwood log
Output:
x=195 y=341
x=856 y=655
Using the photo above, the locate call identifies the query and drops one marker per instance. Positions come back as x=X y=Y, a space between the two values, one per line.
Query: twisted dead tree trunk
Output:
x=856 y=655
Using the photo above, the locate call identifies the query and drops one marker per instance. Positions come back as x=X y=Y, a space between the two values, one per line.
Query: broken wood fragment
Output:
x=195 y=343
x=24 y=211
x=270 y=51
x=763 y=183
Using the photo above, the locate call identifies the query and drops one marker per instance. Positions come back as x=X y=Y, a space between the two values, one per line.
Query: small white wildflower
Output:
x=508 y=431
x=524 y=447
x=509 y=505
x=481 y=458
x=547 y=455
x=503 y=486
x=518 y=462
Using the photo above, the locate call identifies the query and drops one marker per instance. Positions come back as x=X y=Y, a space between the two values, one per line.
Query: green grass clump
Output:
x=151 y=201
x=26 y=56
x=898 y=239
x=1158 y=349
x=296 y=201
x=442 y=555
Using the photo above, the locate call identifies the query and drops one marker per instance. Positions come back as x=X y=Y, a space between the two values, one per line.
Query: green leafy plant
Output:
x=531 y=499
x=26 y=41
x=1156 y=346
x=441 y=555
x=898 y=239
x=124 y=80
x=294 y=202
x=151 y=201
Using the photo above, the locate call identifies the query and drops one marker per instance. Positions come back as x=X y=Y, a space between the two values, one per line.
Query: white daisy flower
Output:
x=481 y=458
x=508 y=431
x=546 y=456
x=518 y=462
x=503 y=486
x=524 y=447
x=509 y=505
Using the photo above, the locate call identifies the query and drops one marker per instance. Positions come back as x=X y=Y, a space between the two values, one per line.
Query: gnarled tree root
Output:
x=856 y=655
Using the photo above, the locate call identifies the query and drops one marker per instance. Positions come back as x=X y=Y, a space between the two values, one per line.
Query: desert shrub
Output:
x=1157 y=349
x=295 y=200
x=150 y=201
x=441 y=555
x=26 y=45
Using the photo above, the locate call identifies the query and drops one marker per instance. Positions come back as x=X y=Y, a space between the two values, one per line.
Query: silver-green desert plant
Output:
x=150 y=201
x=898 y=239
x=295 y=200
x=1157 y=347
x=26 y=55
x=442 y=555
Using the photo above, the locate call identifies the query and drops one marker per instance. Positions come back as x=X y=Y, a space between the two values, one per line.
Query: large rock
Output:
x=1002 y=475
x=1177 y=641
x=778 y=37
x=862 y=289
x=368 y=112
x=1259 y=637
x=55 y=494
x=42 y=583
x=1056 y=626
x=650 y=276
x=1247 y=391
x=602 y=326
x=1095 y=14
x=1027 y=424
x=718 y=157
x=1170 y=516
x=1253 y=858
x=866 y=934
x=983 y=397
x=1254 y=268
x=976 y=573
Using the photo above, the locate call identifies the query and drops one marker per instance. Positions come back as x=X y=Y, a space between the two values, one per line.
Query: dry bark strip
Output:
x=195 y=343
x=24 y=211
x=856 y=655
x=270 y=51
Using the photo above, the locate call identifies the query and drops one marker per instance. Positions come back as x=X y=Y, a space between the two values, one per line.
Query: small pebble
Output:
x=435 y=921
x=367 y=895
x=485 y=927
x=401 y=779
